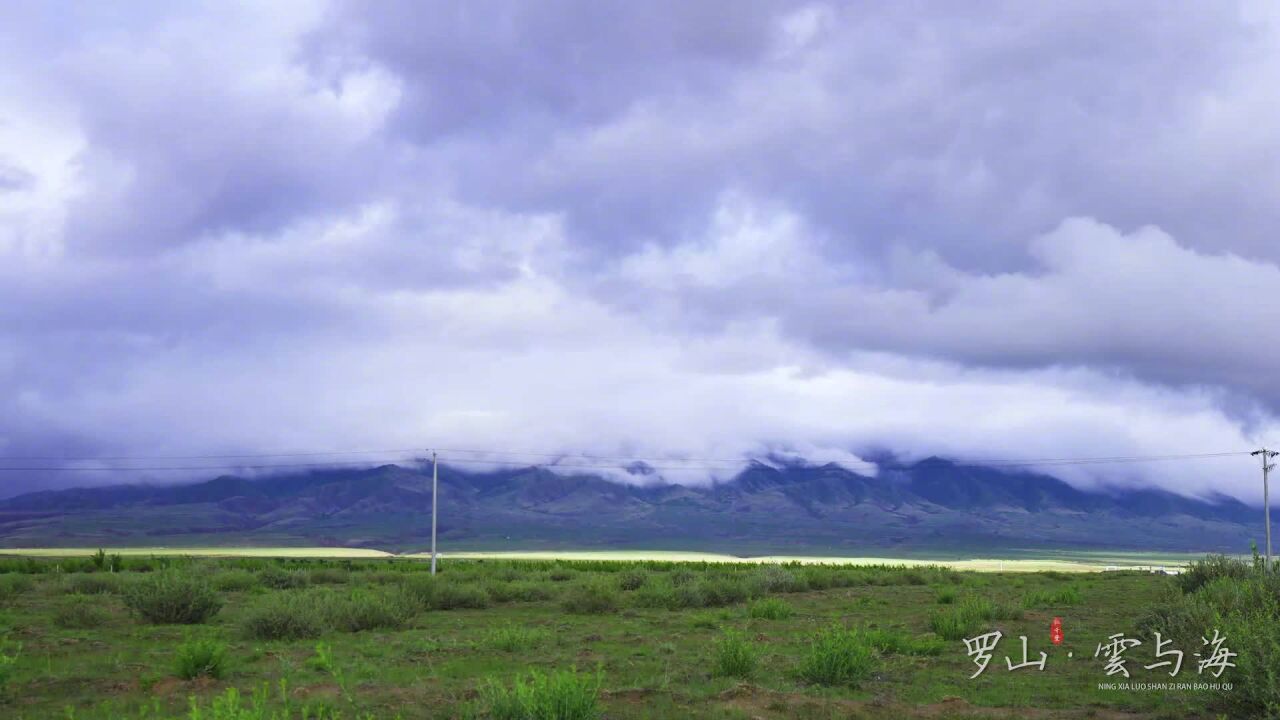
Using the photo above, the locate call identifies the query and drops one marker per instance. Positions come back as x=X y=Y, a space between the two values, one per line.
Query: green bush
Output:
x=80 y=612
x=953 y=625
x=1244 y=607
x=654 y=594
x=551 y=696
x=1202 y=572
x=946 y=597
x=632 y=580
x=967 y=618
x=172 y=597
x=734 y=656
x=837 y=656
x=201 y=658
x=912 y=577
x=896 y=642
x=687 y=595
x=364 y=609
x=682 y=577
x=1065 y=596
x=724 y=590
x=9 y=655
x=503 y=592
x=11 y=586
x=437 y=594
x=283 y=616
x=515 y=638
x=279 y=579
x=770 y=609
x=90 y=584
x=593 y=598
x=234 y=580
x=328 y=576
x=777 y=579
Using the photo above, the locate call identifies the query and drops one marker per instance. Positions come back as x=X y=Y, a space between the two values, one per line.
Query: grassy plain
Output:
x=618 y=638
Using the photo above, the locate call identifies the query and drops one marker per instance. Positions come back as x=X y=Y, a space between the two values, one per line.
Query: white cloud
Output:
x=1030 y=231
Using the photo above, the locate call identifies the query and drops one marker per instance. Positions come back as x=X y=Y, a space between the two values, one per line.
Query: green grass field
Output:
x=620 y=638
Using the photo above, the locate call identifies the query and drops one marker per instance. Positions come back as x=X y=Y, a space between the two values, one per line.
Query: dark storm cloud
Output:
x=671 y=228
x=929 y=125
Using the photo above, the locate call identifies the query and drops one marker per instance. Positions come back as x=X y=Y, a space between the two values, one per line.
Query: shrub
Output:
x=778 y=579
x=837 y=656
x=274 y=577
x=551 y=696
x=594 y=598
x=328 y=576
x=946 y=597
x=560 y=575
x=8 y=662
x=1065 y=596
x=654 y=595
x=705 y=621
x=896 y=642
x=201 y=658
x=1245 y=609
x=733 y=656
x=233 y=580
x=912 y=577
x=682 y=577
x=79 y=612
x=12 y=586
x=90 y=584
x=323 y=659
x=432 y=594
x=172 y=597
x=367 y=610
x=770 y=609
x=514 y=638
x=632 y=580
x=953 y=625
x=724 y=590
x=966 y=618
x=102 y=562
x=688 y=595
x=502 y=592
x=283 y=616
x=1202 y=572
x=383 y=577
x=819 y=579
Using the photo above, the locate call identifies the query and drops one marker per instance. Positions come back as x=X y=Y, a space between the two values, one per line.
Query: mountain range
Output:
x=931 y=505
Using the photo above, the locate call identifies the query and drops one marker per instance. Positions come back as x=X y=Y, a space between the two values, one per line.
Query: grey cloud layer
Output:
x=670 y=229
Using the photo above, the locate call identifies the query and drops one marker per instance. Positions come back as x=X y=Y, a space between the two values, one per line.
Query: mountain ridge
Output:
x=933 y=503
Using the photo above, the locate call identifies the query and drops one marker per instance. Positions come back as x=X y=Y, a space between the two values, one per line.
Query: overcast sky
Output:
x=667 y=229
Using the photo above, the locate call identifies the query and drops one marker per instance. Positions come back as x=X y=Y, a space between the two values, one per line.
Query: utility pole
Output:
x=1267 y=467
x=435 y=497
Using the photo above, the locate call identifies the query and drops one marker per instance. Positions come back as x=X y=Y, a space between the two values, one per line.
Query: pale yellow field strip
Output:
x=976 y=564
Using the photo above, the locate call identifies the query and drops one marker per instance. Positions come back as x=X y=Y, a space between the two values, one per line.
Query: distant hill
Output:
x=926 y=506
